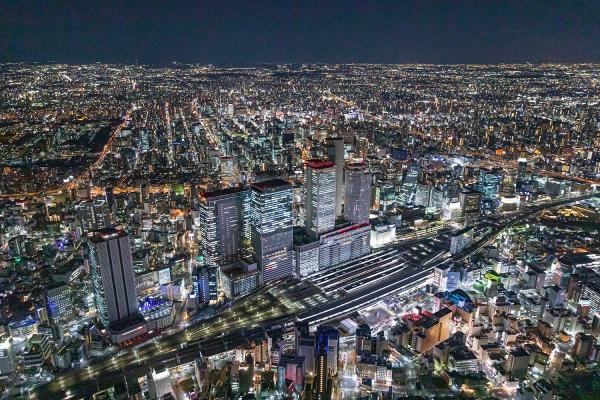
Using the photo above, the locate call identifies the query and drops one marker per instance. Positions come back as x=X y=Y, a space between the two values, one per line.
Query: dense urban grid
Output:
x=299 y=231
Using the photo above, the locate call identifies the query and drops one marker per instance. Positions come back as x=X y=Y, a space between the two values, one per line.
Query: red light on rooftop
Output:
x=319 y=164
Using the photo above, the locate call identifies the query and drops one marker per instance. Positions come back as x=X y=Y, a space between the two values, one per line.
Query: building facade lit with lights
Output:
x=357 y=193
x=224 y=226
x=271 y=228
x=320 y=197
x=113 y=282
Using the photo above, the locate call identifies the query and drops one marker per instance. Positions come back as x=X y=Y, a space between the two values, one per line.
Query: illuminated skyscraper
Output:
x=320 y=187
x=489 y=186
x=335 y=154
x=436 y=200
x=357 y=193
x=489 y=183
x=470 y=204
x=112 y=276
x=60 y=302
x=422 y=194
x=271 y=228
x=224 y=225
x=93 y=215
x=408 y=185
x=522 y=170
x=326 y=360
x=159 y=384
x=205 y=285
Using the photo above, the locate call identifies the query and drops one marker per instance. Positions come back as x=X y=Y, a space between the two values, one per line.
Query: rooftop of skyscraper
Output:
x=270 y=184
x=221 y=192
x=102 y=235
x=319 y=164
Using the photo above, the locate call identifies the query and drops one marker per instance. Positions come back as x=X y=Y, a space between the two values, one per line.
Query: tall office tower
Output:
x=470 y=203
x=206 y=284
x=357 y=193
x=306 y=348
x=521 y=171
x=271 y=228
x=408 y=185
x=228 y=171
x=436 y=200
x=489 y=186
x=326 y=360
x=144 y=143
x=224 y=226
x=112 y=276
x=422 y=194
x=93 y=215
x=451 y=190
x=320 y=189
x=583 y=348
x=489 y=183
x=335 y=154
x=60 y=302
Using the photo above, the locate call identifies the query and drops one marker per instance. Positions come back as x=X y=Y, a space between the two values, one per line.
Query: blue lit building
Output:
x=271 y=228
x=326 y=360
x=408 y=185
x=59 y=301
x=489 y=186
x=157 y=312
x=489 y=183
x=205 y=285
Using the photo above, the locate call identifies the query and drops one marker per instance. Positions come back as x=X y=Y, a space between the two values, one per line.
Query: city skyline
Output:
x=311 y=231
x=299 y=208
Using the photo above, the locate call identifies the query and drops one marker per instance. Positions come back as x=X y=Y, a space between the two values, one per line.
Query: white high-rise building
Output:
x=357 y=193
x=335 y=154
x=320 y=192
x=271 y=228
x=159 y=384
x=408 y=185
x=422 y=194
x=7 y=360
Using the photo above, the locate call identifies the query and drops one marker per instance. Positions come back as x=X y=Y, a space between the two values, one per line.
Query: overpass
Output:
x=516 y=218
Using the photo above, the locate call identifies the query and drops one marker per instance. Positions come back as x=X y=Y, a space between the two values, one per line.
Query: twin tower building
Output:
x=284 y=233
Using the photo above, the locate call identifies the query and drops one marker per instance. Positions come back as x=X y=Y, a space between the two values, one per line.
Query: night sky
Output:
x=242 y=33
